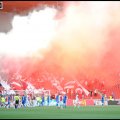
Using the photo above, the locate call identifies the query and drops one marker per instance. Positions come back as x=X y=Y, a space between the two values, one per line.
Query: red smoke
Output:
x=85 y=48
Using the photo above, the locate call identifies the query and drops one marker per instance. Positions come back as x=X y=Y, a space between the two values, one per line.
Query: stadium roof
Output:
x=18 y=6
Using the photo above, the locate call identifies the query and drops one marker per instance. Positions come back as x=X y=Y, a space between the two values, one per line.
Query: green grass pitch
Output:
x=84 y=112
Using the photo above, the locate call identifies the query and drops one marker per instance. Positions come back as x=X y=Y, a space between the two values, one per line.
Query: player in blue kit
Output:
x=9 y=100
x=57 y=100
x=103 y=99
x=48 y=100
x=64 y=100
x=43 y=100
x=24 y=100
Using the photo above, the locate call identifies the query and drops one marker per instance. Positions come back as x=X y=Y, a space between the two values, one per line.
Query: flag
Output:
x=78 y=89
x=16 y=86
x=69 y=86
x=70 y=83
x=16 y=83
x=56 y=84
x=24 y=85
x=5 y=85
x=85 y=90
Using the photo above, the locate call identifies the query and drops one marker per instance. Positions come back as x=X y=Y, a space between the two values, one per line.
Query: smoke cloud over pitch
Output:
x=29 y=33
x=84 y=42
x=89 y=40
